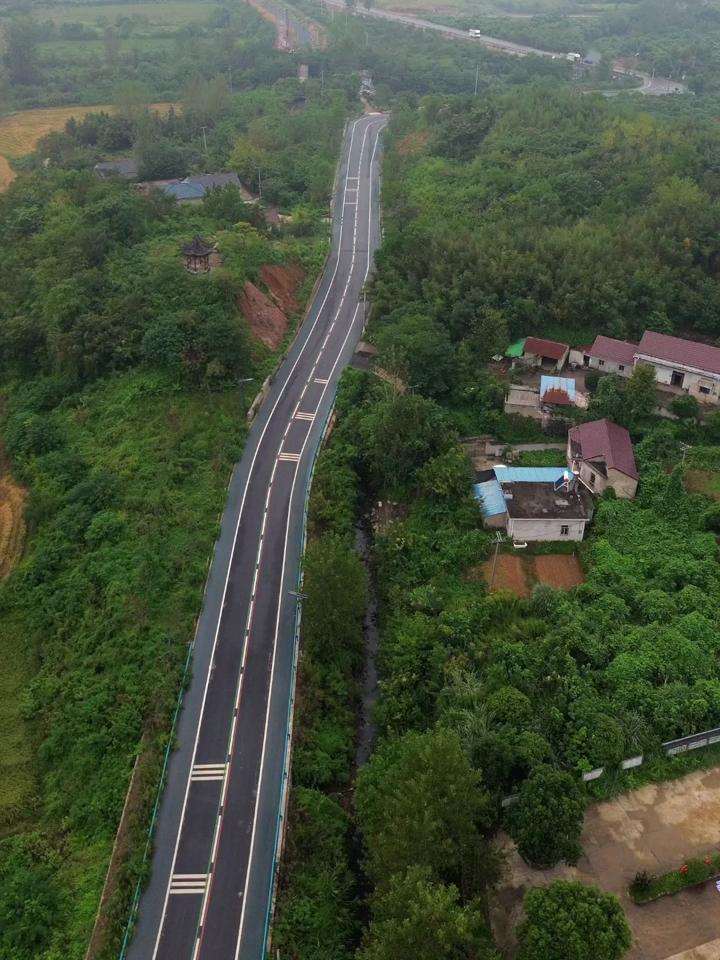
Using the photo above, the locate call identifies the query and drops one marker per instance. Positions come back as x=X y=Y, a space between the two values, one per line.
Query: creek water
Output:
x=368 y=684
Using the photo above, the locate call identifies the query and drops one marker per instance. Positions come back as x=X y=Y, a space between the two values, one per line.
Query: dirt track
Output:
x=654 y=828
x=12 y=525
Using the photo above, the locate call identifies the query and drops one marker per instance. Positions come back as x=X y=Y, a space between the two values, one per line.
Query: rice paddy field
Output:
x=21 y=131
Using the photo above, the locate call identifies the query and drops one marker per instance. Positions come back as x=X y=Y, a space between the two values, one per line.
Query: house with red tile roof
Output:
x=545 y=353
x=600 y=454
x=612 y=356
x=686 y=365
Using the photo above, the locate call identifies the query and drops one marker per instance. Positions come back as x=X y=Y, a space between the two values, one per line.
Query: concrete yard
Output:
x=655 y=828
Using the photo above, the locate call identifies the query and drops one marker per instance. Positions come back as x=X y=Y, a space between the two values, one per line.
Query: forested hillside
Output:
x=122 y=415
x=529 y=213
x=542 y=213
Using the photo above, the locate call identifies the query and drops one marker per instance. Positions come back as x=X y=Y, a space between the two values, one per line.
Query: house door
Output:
x=677 y=379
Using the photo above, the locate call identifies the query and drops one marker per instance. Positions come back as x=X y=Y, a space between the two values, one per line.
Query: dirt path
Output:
x=12 y=525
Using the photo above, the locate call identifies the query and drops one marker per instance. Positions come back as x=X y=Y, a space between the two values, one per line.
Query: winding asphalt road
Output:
x=216 y=843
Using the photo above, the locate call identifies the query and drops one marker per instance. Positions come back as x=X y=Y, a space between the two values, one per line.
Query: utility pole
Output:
x=477 y=77
x=204 y=137
x=259 y=184
x=498 y=540
x=322 y=81
x=230 y=77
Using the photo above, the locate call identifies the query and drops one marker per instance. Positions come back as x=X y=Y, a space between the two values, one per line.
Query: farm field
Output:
x=175 y=12
x=519 y=574
x=20 y=132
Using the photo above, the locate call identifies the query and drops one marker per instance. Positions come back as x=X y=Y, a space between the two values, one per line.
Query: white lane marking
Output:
x=280 y=395
x=208 y=771
x=188 y=883
x=319 y=380
x=292 y=457
x=218 y=829
x=304 y=415
x=282 y=574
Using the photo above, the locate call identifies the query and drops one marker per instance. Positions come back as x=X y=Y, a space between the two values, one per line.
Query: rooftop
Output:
x=122 y=167
x=197 y=247
x=620 y=351
x=536 y=347
x=604 y=440
x=540 y=501
x=558 y=390
x=516 y=349
x=688 y=353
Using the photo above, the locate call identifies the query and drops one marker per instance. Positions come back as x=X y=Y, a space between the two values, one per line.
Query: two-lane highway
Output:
x=218 y=828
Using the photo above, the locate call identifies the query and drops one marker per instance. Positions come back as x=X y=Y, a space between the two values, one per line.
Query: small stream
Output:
x=368 y=684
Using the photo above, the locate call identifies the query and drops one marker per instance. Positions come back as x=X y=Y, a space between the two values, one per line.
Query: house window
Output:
x=621 y=366
x=592 y=479
x=704 y=389
x=601 y=363
x=564 y=530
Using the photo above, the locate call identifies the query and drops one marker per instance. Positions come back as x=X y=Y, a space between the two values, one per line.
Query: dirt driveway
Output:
x=654 y=828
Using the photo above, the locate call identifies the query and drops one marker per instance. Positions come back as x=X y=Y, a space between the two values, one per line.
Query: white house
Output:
x=535 y=503
x=683 y=364
x=601 y=454
x=611 y=356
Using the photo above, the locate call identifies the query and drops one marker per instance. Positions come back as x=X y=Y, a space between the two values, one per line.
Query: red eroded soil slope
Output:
x=283 y=282
x=266 y=320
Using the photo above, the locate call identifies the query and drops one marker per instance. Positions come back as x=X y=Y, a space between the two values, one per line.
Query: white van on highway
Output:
x=475 y=33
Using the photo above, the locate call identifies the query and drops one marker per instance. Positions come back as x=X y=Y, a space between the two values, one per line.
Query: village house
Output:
x=682 y=364
x=534 y=503
x=125 y=167
x=543 y=403
x=545 y=353
x=193 y=189
x=611 y=356
x=600 y=454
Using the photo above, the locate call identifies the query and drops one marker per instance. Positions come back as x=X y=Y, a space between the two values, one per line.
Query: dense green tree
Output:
x=419 y=802
x=419 y=919
x=547 y=820
x=21 y=53
x=400 y=435
x=572 y=921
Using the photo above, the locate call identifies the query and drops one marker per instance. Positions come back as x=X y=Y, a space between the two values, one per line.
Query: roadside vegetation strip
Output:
x=695 y=871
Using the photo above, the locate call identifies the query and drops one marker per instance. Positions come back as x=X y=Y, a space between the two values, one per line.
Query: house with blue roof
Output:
x=193 y=188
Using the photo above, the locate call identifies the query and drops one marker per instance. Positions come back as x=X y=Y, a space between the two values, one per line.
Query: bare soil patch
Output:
x=561 y=571
x=655 y=828
x=283 y=282
x=12 y=524
x=266 y=320
x=510 y=574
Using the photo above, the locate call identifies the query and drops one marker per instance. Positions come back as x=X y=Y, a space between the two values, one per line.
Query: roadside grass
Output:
x=541 y=458
x=706 y=482
x=171 y=450
x=17 y=780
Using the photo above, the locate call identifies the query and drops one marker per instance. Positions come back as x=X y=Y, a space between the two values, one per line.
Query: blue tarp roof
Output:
x=529 y=474
x=566 y=384
x=185 y=190
x=491 y=498
x=490 y=495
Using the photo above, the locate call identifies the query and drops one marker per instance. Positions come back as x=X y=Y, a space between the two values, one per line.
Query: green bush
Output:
x=694 y=871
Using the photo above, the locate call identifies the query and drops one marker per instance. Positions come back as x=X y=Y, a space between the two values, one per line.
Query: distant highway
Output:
x=219 y=827
x=652 y=85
